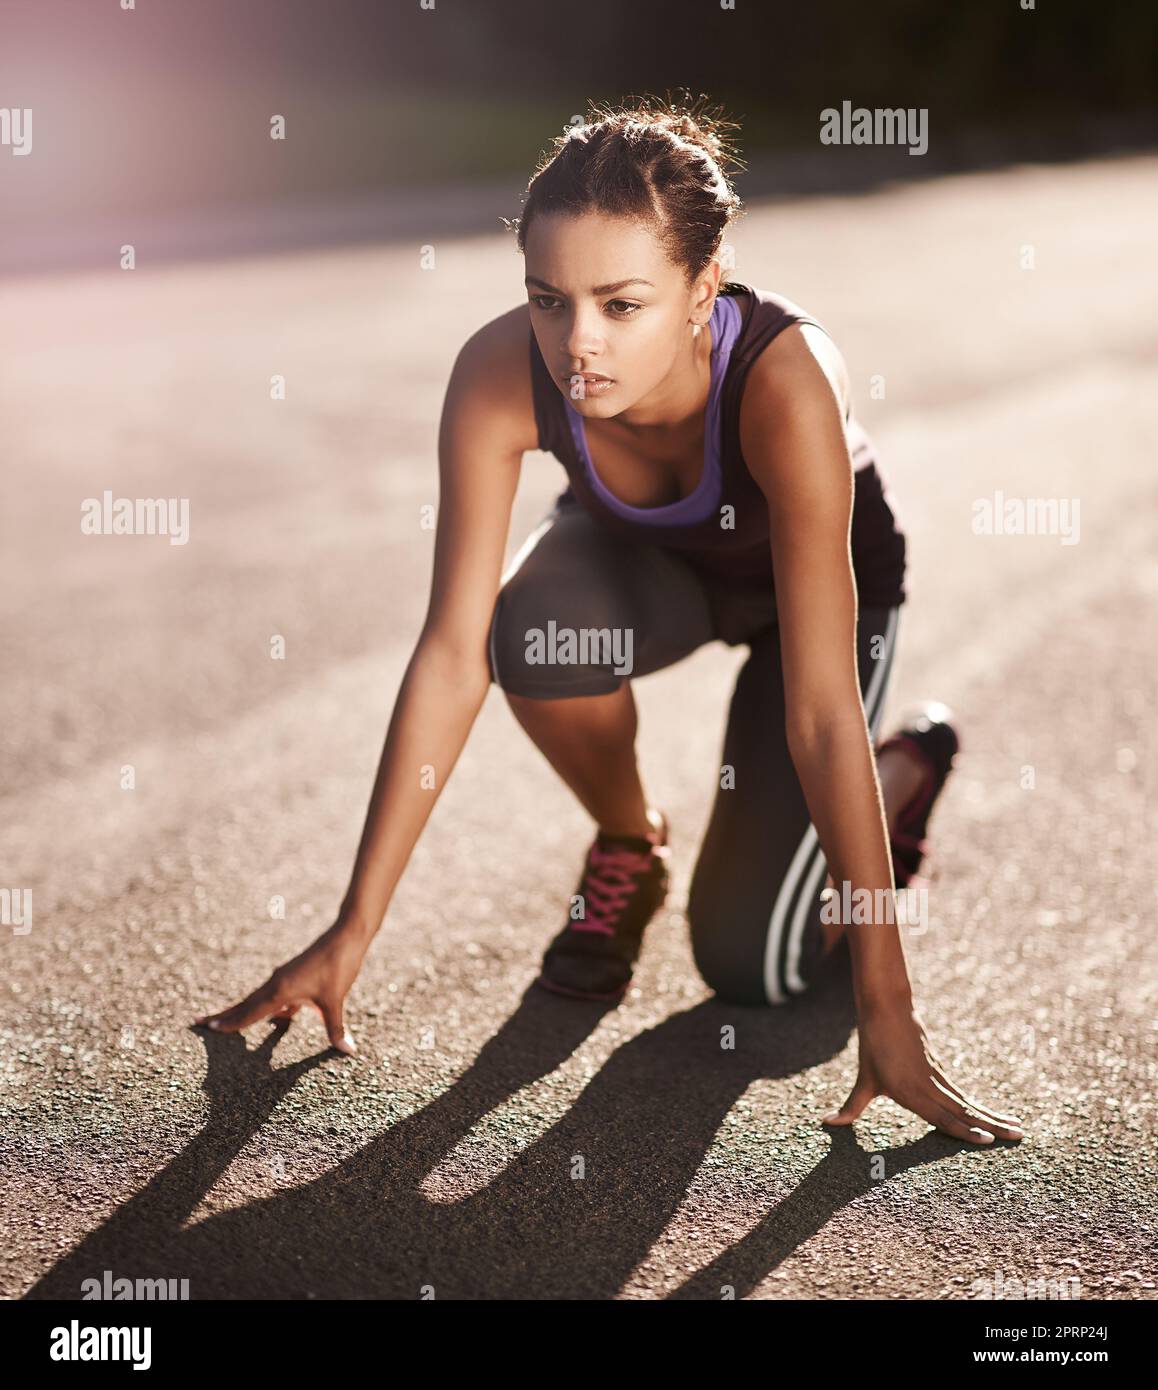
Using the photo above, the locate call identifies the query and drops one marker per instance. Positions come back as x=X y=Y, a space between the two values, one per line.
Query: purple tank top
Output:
x=702 y=503
x=722 y=528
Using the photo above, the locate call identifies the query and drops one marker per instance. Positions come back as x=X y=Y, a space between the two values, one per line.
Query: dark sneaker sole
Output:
x=932 y=737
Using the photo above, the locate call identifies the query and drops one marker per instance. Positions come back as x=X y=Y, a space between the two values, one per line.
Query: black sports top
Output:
x=739 y=551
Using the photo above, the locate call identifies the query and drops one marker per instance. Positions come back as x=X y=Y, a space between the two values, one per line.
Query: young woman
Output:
x=719 y=489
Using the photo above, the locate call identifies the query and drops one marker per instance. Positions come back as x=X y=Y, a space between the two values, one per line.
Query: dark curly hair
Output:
x=666 y=162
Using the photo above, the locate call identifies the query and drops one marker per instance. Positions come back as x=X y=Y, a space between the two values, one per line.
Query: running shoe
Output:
x=933 y=739
x=623 y=885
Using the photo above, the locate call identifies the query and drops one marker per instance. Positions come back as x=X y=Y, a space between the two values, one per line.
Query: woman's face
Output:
x=605 y=298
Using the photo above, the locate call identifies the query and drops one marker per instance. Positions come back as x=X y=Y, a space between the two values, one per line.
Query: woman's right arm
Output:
x=480 y=447
x=486 y=426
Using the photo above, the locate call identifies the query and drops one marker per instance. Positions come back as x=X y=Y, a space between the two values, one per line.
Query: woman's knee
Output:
x=755 y=931
x=728 y=954
x=544 y=646
x=733 y=961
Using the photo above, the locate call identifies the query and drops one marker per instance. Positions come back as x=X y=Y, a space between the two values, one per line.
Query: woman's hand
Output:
x=896 y=1060
x=321 y=976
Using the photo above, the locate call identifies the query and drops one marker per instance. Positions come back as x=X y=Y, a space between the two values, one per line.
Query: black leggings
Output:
x=581 y=610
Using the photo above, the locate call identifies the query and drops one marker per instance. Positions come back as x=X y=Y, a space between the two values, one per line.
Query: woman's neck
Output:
x=678 y=403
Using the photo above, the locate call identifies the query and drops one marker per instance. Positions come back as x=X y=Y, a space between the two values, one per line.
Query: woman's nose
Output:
x=582 y=341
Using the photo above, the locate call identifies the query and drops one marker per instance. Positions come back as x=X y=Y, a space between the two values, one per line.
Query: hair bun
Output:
x=695 y=120
x=663 y=160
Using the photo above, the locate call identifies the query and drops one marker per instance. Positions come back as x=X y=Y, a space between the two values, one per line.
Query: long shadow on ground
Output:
x=364 y=1229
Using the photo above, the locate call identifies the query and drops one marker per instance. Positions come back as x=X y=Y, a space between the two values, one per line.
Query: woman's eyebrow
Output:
x=597 y=289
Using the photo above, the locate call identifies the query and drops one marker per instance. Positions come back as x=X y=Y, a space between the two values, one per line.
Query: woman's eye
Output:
x=629 y=309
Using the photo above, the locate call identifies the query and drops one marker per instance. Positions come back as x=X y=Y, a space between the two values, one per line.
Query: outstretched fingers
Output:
x=264 y=1002
x=1011 y=1123
x=333 y=1015
x=966 y=1121
x=951 y=1122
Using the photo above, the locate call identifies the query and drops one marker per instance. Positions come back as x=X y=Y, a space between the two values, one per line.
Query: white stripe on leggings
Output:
x=874 y=703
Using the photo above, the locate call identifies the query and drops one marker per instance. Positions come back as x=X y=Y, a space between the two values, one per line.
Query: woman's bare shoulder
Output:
x=801 y=361
x=494 y=368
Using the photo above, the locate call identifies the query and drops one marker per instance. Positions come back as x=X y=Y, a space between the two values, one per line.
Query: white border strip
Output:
x=810 y=842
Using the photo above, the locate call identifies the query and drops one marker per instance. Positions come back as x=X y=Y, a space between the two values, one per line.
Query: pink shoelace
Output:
x=609 y=883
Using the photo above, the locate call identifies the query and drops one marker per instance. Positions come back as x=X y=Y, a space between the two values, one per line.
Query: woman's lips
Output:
x=583 y=384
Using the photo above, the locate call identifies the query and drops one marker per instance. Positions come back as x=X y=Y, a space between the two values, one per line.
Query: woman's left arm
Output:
x=793 y=439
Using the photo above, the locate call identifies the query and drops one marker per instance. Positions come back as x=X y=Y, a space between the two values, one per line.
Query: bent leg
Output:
x=755 y=898
x=581 y=610
x=573 y=576
x=590 y=742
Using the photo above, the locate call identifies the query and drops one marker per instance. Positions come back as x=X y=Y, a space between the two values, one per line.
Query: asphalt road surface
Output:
x=444 y=1154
